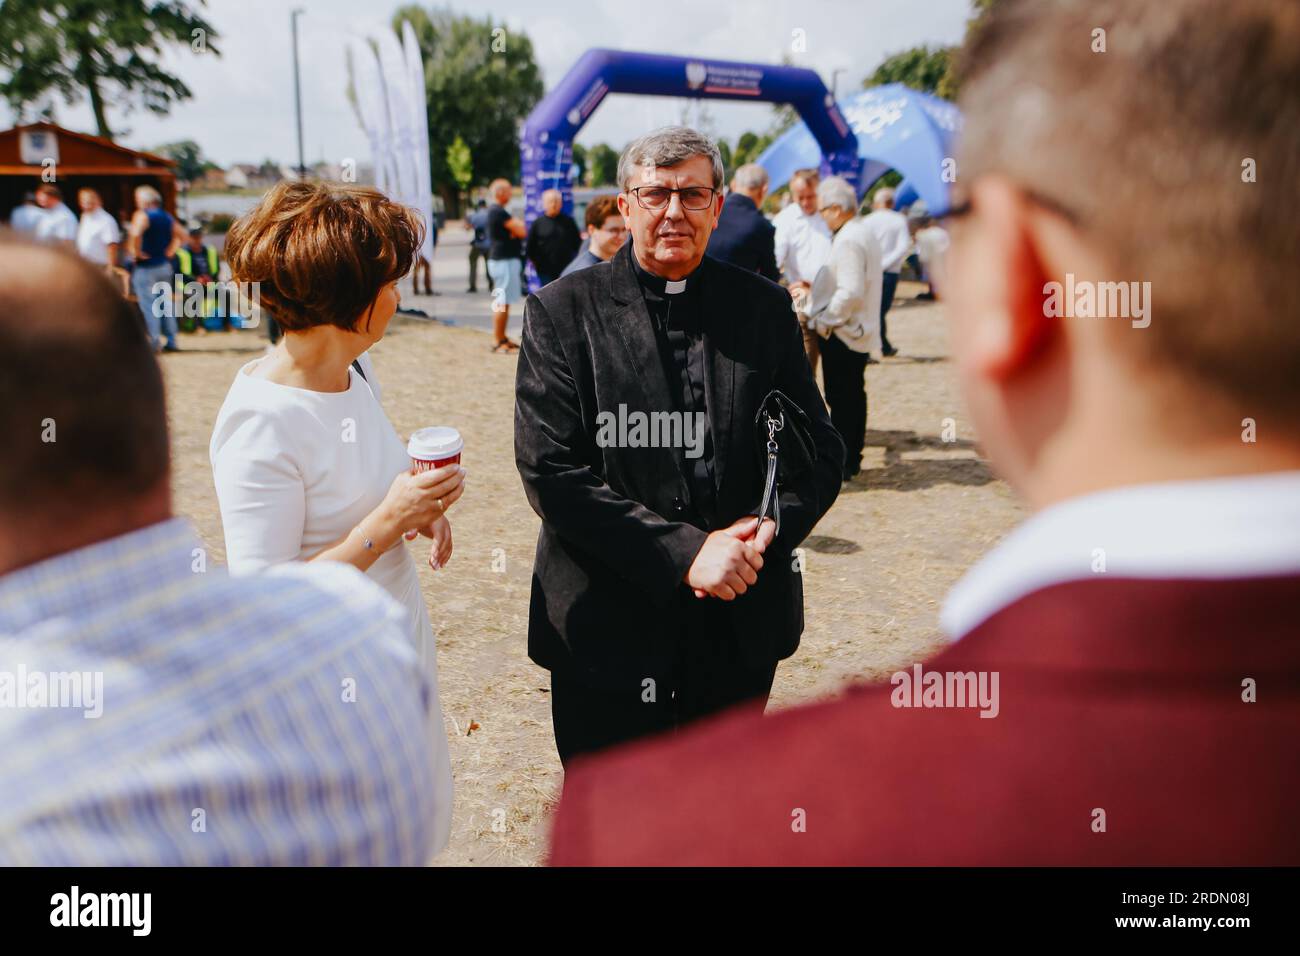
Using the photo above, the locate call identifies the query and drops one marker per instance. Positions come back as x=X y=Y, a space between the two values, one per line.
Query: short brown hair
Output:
x=601 y=208
x=81 y=394
x=1147 y=146
x=48 y=189
x=322 y=252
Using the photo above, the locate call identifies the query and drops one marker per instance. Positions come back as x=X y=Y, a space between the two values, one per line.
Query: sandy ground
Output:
x=876 y=567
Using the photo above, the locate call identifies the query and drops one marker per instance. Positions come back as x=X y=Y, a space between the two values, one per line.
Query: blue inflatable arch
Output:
x=546 y=147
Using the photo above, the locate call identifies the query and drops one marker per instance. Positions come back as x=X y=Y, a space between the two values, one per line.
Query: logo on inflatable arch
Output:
x=874 y=117
x=696 y=74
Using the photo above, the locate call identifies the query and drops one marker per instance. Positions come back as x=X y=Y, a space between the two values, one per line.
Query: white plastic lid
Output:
x=434 y=444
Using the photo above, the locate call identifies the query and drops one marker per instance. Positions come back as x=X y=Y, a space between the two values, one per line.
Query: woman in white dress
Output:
x=307 y=466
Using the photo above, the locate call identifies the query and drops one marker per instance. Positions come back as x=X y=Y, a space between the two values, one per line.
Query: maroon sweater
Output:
x=1124 y=696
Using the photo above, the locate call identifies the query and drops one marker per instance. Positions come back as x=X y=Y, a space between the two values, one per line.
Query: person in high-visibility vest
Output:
x=196 y=262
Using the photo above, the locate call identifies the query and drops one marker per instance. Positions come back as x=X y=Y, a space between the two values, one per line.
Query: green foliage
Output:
x=579 y=164
x=481 y=82
x=919 y=68
x=460 y=163
x=604 y=165
x=188 y=157
x=106 y=50
x=747 y=149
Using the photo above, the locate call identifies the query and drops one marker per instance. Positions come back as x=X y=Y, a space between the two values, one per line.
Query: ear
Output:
x=718 y=200
x=1015 y=331
x=624 y=209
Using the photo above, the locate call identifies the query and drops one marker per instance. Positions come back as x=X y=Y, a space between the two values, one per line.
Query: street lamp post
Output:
x=297 y=89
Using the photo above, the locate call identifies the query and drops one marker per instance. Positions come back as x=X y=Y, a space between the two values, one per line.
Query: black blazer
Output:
x=607 y=582
x=745 y=238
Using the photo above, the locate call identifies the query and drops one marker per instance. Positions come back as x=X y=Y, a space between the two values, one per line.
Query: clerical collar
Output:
x=661 y=286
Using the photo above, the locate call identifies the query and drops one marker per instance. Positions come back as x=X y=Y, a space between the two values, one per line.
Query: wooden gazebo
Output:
x=78 y=161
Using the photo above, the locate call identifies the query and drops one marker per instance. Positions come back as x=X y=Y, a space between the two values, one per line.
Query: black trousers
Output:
x=887 y=290
x=475 y=254
x=708 y=675
x=844 y=373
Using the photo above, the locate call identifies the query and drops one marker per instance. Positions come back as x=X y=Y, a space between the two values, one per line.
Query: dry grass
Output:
x=877 y=566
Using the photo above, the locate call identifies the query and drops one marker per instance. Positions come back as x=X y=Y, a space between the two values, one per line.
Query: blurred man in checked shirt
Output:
x=153 y=711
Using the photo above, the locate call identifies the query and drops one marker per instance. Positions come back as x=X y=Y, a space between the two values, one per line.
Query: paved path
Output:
x=454 y=305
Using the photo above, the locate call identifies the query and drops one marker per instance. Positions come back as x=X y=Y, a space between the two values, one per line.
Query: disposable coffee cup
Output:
x=434 y=447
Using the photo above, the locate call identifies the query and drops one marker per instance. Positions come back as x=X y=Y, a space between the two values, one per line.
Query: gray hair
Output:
x=668 y=146
x=836 y=191
x=552 y=192
x=750 y=177
x=147 y=196
x=883 y=199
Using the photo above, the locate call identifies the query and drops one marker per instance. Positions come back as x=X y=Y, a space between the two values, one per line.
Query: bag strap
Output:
x=771 y=501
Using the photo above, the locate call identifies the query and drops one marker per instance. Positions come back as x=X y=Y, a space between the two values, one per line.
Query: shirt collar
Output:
x=659 y=286
x=151 y=557
x=1238 y=527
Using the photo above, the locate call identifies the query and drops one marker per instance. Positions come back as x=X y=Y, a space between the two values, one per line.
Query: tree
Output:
x=188 y=157
x=579 y=164
x=460 y=163
x=919 y=68
x=748 y=148
x=725 y=149
x=604 y=165
x=481 y=82
x=106 y=50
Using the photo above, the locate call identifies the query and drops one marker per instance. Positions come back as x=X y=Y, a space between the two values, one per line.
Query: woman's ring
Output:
x=440 y=506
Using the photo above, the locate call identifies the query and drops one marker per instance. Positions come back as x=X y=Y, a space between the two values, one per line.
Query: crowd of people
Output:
x=149 y=261
x=286 y=710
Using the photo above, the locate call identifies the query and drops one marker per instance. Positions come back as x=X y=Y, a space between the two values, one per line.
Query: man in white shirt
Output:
x=890 y=229
x=850 y=322
x=98 y=233
x=931 y=247
x=59 y=223
x=803 y=246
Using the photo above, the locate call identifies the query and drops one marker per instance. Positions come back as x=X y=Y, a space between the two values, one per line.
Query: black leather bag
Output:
x=785 y=449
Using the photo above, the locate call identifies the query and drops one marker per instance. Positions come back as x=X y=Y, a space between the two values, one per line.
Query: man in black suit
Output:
x=744 y=237
x=656 y=599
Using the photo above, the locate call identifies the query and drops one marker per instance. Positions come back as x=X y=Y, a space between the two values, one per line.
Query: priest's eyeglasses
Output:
x=694 y=198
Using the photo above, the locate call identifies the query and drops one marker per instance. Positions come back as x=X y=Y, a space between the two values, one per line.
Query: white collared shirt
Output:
x=889 y=226
x=1238 y=527
x=95 y=233
x=803 y=243
x=58 y=224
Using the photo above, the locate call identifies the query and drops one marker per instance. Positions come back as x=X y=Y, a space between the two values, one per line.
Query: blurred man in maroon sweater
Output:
x=1124 y=682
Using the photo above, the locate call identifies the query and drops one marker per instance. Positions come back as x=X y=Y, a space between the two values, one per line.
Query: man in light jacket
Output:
x=850 y=324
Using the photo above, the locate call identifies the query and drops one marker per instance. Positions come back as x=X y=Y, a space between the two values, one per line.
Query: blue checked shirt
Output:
x=277 y=719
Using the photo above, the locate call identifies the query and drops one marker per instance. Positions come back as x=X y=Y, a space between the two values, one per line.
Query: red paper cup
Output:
x=434 y=447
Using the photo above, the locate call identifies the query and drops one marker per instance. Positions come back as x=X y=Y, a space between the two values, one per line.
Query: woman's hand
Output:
x=415 y=502
x=440 y=550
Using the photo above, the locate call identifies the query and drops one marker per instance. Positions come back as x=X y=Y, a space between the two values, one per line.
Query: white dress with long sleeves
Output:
x=295 y=471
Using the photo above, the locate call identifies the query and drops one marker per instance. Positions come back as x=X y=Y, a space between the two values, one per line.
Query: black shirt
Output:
x=501 y=245
x=553 y=241
x=679 y=330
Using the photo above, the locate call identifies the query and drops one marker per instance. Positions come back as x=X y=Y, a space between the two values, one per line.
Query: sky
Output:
x=243 y=108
